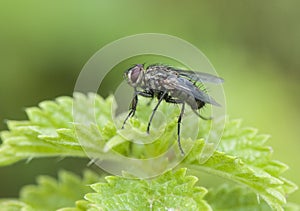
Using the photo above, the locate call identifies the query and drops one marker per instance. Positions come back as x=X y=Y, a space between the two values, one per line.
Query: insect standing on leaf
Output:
x=171 y=85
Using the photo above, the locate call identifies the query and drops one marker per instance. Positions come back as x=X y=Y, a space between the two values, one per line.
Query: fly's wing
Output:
x=185 y=86
x=199 y=76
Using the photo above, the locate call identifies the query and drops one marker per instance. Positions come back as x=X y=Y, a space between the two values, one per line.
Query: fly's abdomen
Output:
x=185 y=97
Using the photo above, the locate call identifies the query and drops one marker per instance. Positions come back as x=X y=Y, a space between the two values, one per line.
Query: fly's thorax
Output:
x=155 y=79
x=135 y=75
x=152 y=82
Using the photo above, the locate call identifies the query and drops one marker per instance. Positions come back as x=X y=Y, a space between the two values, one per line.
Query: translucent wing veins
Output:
x=200 y=76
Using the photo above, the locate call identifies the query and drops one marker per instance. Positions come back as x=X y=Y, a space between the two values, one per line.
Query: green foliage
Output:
x=50 y=194
x=172 y=190
x=225 y=198
x=242 y=159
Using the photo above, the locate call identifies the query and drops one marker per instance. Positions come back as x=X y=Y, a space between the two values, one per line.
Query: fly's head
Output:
x=134 y=75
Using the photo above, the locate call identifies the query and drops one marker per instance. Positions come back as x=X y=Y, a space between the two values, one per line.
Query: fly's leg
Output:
x=176 y=101
x=146 y=93
x=169 y=99
x=178 y=128
x=154 y=110
x=202 y=117
x=134 y=103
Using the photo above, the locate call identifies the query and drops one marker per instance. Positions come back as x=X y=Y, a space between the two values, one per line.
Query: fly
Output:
x=171 y=85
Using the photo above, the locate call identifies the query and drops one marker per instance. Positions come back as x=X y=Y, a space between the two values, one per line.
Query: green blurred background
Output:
x=254 y=45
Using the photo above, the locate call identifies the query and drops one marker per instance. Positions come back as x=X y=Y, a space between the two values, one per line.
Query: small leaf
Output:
x=271 y=188
x=13 y=205
x=235 y=198
x=50 y=130
x=229 y=197
x=170 y=191
x=50 y=194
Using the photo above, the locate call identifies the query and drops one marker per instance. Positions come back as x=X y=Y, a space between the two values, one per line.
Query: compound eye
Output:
x=135 y=72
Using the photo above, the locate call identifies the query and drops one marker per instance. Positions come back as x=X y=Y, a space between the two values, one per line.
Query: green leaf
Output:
x=13 y=205
x=50 y=130
x=230 y=197
x=271 y=188
x=248 y=145
x=170 y=191
x=242 y=156
x=225 y=198
x=51 y=194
